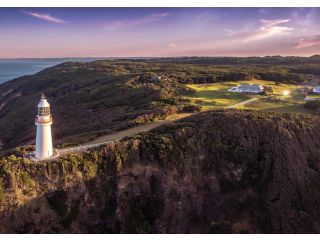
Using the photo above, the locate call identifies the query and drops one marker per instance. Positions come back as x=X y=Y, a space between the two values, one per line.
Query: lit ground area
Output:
x=313 y=97
x=273 y=106
x=216 y=95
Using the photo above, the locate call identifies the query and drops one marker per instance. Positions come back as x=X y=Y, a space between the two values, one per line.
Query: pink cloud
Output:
x=138 y=21
x=273 y=22
x=309 y=41
x=45 y=17
x=269 y=28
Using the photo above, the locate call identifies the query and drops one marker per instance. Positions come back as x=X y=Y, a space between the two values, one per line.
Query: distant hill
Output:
x=267 y=60
x=315 y=57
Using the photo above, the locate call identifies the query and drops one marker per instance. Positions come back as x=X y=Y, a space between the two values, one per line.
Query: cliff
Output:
x=215 y=172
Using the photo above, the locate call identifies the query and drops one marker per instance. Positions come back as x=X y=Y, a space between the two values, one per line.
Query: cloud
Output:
x=309 y=41
x=45 y=17
x=269 y=28
x=172 y=45
x=273 y=22
x=155 y=17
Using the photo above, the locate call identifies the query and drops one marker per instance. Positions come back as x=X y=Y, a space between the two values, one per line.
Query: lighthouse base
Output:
x=32 y=156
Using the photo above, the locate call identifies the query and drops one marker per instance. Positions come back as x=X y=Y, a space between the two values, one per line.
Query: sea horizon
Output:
x=18 y=67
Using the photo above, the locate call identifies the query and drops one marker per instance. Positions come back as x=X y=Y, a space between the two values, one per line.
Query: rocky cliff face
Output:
x=215 y=172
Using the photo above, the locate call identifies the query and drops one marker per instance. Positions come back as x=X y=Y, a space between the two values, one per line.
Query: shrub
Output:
x=191 y=108
x=1 y=191
x=313 y=105
x=26 y=179
x=57 y=202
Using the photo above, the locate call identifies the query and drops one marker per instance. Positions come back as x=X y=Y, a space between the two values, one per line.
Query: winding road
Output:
x=121 y=134
x=131 y=131
x=242 y=103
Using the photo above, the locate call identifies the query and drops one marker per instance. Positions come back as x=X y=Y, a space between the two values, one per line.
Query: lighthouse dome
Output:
x=43 y=103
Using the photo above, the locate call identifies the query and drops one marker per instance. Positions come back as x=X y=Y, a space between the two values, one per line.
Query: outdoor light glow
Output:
x=285 y=93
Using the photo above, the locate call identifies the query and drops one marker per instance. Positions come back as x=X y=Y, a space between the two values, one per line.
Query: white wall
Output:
x=43 y=141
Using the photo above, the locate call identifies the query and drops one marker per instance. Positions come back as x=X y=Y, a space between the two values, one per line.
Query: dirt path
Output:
x=242 y=103
x=131 y=131
x=121 y=134
x=142 y=128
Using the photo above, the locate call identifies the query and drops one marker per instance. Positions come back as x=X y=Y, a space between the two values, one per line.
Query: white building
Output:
x=43 y=122
x=247 y=88
x=316 y=89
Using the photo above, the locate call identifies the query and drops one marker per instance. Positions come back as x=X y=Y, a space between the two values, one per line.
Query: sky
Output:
x=158 y=32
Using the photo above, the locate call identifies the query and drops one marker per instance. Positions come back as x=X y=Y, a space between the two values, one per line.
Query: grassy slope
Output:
x=266 y=105
x=216 y=95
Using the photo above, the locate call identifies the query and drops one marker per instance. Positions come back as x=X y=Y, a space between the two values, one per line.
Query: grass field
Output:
x=216 y=95
x=269 y=106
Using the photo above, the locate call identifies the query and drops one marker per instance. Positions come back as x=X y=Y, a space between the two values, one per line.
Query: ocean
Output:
x=13 y=68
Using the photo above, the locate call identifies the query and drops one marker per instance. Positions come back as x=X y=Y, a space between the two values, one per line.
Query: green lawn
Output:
x=270 y=106
x=314 y=96
x=216 y=95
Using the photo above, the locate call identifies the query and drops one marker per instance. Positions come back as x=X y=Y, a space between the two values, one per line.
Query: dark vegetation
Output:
x=273 y=68
x=313 y=105
x=215 y=172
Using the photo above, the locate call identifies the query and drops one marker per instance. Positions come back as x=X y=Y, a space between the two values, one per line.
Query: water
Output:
x=13 y=68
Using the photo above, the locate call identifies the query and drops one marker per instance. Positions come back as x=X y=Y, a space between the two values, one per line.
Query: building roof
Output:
x=43 y=102
x=317 y=88
x=250 y=86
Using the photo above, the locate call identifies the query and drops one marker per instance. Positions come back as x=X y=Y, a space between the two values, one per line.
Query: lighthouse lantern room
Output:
x=43 y=122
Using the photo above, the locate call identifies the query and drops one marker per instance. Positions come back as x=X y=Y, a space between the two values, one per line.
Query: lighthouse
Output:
x=43 y=122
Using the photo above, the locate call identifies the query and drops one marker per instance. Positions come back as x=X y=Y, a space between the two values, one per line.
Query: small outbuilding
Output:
x=316 y=89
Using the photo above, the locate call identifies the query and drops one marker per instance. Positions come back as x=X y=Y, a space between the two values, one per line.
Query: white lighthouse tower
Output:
x=43 y=122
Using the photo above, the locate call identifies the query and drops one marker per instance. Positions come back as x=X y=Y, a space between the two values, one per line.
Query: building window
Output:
x=43 y=111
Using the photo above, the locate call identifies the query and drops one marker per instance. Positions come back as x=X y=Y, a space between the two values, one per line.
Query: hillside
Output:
x=88 y=99
x=99 y=97
x=215 y=172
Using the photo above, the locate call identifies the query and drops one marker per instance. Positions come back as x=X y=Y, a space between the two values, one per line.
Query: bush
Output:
x=191 y=108
x=1 y=191
x=26 y=179
x=57 y=202
x=268 y=90
x=313 y=105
